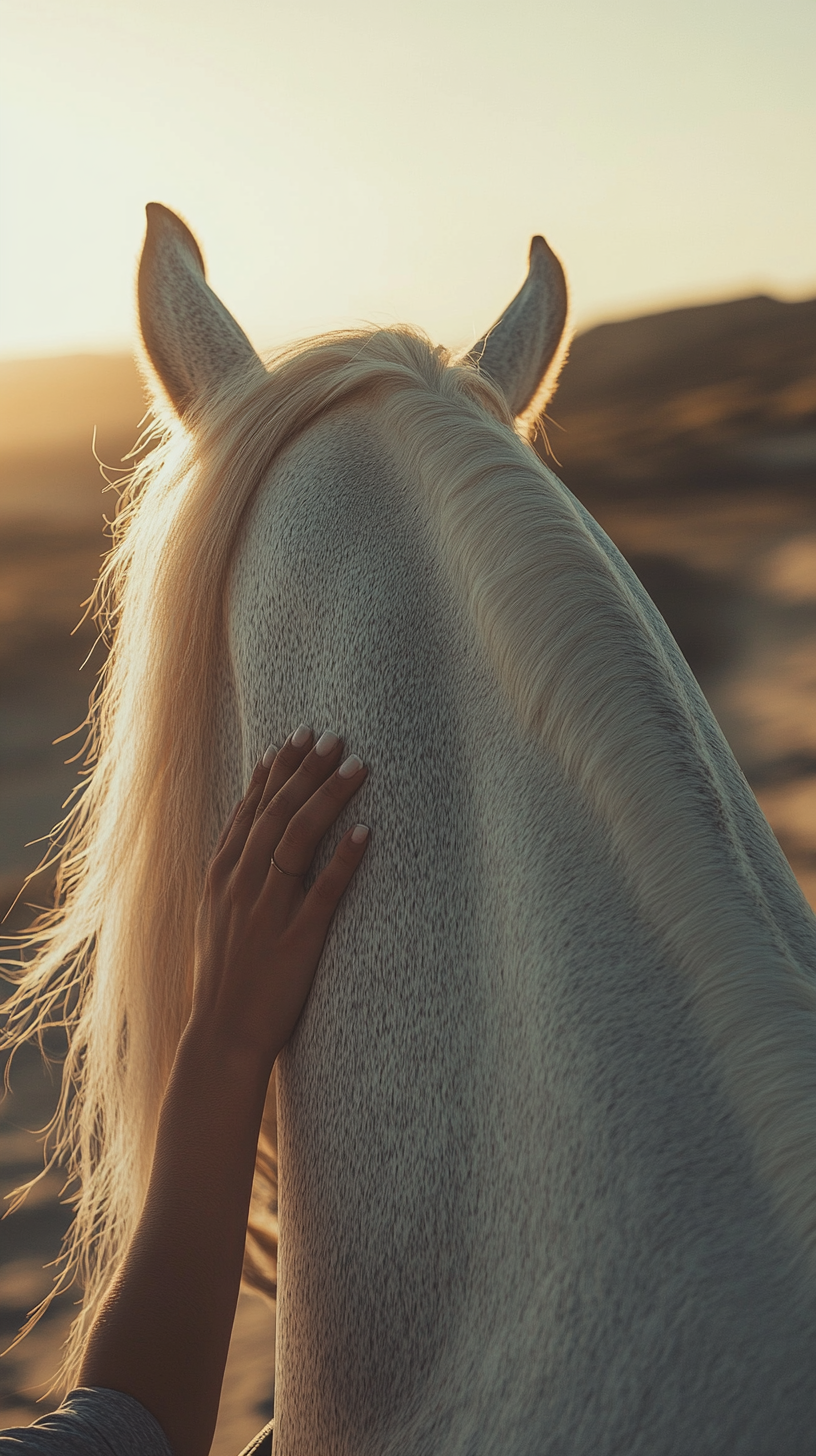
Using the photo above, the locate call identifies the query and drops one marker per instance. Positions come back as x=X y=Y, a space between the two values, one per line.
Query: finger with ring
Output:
x=290 y=874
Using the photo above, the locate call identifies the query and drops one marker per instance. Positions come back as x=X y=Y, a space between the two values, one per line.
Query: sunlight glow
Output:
x=384 y=162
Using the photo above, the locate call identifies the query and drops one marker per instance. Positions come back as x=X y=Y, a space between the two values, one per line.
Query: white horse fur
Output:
x=546 y=1127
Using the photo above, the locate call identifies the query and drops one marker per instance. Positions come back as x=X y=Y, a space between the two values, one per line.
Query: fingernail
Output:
x=326 y=743
x=301 y=735
x=269 y=755
x=359 y=833
x=351 y=765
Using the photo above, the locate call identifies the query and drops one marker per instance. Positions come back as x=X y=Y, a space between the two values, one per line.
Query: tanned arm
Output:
x=163 y=1333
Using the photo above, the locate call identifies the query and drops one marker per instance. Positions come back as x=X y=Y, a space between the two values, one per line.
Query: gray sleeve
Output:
x=90 y=1422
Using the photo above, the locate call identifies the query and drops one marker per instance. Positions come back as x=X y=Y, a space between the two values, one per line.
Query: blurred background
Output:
x=385 y=163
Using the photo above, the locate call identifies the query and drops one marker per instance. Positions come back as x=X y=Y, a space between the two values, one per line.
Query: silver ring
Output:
x=292 y=874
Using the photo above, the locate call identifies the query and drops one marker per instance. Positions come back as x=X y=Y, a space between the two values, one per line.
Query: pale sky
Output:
x=348 y=160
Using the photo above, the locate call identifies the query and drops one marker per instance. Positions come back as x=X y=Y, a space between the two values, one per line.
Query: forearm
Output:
x=164 y=1332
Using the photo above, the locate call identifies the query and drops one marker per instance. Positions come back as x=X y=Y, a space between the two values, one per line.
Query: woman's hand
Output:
x=259 y=933
x=163 y=1334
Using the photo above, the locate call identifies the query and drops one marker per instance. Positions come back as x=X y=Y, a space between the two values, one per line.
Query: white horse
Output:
x=546 y=1128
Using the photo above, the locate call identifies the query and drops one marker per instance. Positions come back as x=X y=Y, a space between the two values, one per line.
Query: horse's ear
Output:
x=521 y=353
x=191 y=340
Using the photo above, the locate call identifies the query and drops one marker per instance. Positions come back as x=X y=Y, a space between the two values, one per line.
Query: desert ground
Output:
x=690 y=435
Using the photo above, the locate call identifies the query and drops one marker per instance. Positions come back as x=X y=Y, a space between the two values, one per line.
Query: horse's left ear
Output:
x=522 y=352
x=192 y=341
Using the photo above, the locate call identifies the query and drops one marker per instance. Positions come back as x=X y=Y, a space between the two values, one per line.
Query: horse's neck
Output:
x=502 y=1129
x=507 y=1160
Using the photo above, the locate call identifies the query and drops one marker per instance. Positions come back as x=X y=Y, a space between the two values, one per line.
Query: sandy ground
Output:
x=728 y=553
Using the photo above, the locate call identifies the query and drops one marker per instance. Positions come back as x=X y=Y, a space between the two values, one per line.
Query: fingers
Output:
x=331 y=884
x=269 y=775
x=312 y=771
x=312 y=768
x=294 y=840
x=284 y=762
x=290 y=803
x=234 y=835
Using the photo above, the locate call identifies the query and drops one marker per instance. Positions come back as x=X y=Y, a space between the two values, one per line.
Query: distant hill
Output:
x=721 y=395
x=49 y=403
x=49 y=409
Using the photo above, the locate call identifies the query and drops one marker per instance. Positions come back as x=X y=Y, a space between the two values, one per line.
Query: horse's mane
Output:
x=587 y=664
x=112 y=962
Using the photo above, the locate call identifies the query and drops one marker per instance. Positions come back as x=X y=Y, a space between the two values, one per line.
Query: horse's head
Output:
x=546 y=1122
x=193 y=342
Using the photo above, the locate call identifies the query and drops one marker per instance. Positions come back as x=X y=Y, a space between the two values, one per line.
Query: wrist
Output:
x=205 y=1049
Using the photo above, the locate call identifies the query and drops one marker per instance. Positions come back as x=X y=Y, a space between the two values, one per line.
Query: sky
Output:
x=365 y=160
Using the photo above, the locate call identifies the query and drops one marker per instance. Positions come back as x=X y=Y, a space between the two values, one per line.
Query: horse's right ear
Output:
x=192 y=341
